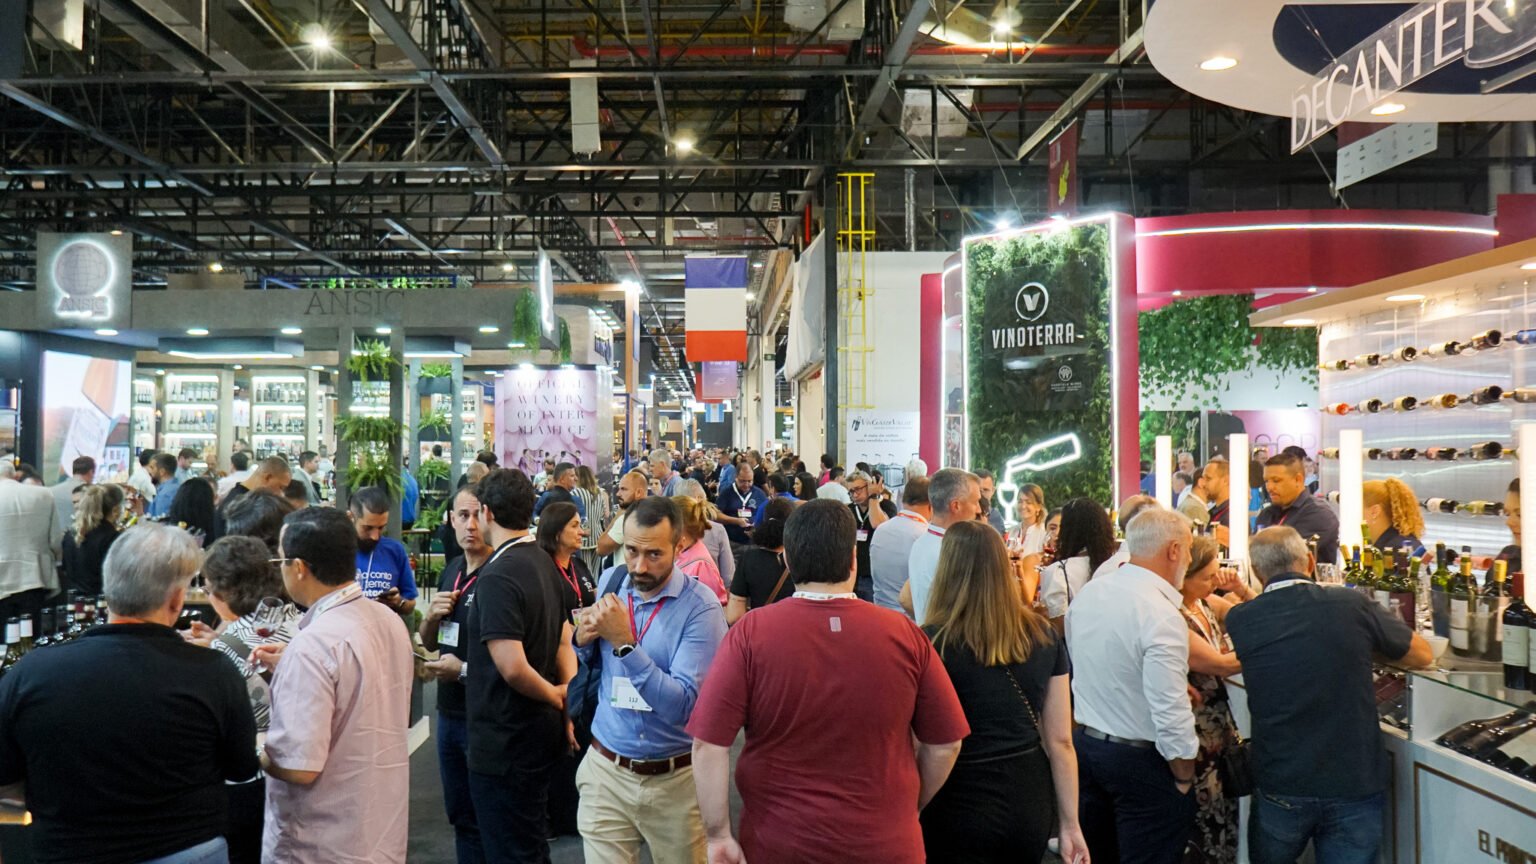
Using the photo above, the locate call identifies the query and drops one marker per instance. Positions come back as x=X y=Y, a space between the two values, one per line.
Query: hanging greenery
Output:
x=437 y=370
x=525 y=319
x=371 y=468
x=1182 y=426
x=1191 y=345
x=565 y=341
x=432 y=471
x=371 y=360
x=437 y=420
x=365 y=429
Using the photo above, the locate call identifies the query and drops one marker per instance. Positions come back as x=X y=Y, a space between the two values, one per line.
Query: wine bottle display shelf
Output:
x=1490 y=451
x=1488 y=340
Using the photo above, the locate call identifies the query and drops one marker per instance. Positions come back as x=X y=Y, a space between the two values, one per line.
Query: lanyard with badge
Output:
x=742 y=510
x=625 y=696
x=448 y=630
x=862 y=534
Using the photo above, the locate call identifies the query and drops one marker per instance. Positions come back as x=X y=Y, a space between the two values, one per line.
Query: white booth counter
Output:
x=1443 y=807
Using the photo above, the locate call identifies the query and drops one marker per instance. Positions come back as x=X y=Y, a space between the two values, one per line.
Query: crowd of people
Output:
x=911 y=674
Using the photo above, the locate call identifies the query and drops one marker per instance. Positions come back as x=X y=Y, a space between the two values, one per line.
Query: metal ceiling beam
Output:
x=895 y=59
x=1081 y=97
x=384 y=16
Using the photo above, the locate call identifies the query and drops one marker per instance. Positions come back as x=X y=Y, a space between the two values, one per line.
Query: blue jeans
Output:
x=1342 y=831
x=213 y=851
x=453 y=762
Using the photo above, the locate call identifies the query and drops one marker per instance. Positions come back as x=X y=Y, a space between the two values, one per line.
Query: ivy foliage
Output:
x=525 y=318
x=1190 y=345
x=565 y=341
x=1012 y=403
x=1182 y=426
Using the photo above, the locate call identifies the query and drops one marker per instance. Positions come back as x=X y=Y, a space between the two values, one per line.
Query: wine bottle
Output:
x=1443 y=400
x=1486 y=450
x=1369 y=406
x=26 y=633
x=1373 y=452
x=1335 y=366
x=1485 y=395
x=1517 y=638
x=1404 y=403
x=1441 y=505
x=1381 y=580
x=1441 y=453
x=1481 y=745
x=1329 y=453
x=12 y=643
x=1444 y=349
x=1461 y=593
x=1483 y=508
x=1458 y=735
x=1339 y=408
x=1368 y=360
x=1402 y=454
x=1486 y=340
x=1439 y=594
x=1522 y=394
x=44 y=629
x=1406 y=354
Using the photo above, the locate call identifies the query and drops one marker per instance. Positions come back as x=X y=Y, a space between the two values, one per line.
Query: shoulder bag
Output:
x=585 y=690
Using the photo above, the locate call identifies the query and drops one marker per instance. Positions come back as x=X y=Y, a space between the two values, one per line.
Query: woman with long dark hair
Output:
x=560 y=534
x=193 y=507
x=1085 y=542
x=1015 y=783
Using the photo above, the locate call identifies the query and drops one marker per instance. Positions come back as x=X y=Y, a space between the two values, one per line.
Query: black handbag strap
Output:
x=1035 y=718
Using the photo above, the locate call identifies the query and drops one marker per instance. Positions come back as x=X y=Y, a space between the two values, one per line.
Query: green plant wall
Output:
x=1020 y=395
x=1191 y=345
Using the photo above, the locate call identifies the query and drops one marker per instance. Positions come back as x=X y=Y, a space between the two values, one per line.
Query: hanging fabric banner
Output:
x=1061 y=173
x=715 y=307
x=717 y=381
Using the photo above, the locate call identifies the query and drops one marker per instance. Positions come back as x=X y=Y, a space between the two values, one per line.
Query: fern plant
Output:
x=371 y=468
x=371 y=360
x=437 y=370
x=525 y=319
x=432 y=471
x=435 y=420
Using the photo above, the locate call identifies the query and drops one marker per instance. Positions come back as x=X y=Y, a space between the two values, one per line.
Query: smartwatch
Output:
x=623 y=651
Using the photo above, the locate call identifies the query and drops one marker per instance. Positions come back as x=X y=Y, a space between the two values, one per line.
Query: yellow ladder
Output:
x=855 y=239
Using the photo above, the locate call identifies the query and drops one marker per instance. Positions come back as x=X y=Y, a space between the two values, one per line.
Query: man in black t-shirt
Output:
x=520 y=659
x=866 y=520
x=445 y=629
x=1318 y=759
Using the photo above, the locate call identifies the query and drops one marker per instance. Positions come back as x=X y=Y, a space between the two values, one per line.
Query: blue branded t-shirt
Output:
x=386 y=566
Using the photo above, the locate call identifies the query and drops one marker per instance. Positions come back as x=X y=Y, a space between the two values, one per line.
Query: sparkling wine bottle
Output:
x=1441 y=453
x=1486 y=450
x=1368 y=360
x=1487 y=339
x=1483 y=508
x=1485 y=395
x=1525 y=337
x=1369 y=406
x=1329 y=453
x=1335 y=366
x=1441 y=505
x=1402 y=454
x=1340 y=408
x=1373 y=452
x=1406 y=354
x=1522 y=394
x=1404 y=403
x=1443 y=400
x=1444 y=349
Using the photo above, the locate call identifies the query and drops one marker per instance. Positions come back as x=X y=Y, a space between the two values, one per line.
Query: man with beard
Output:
x=632 y=487
x=383 y=565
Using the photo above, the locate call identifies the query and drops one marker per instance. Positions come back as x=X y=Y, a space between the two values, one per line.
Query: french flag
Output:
x=715 y=307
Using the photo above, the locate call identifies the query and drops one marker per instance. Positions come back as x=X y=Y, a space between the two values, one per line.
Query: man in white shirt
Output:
x=29 y=544
x=891 y=544
x=140 y=479
x=1194 y=503
x=955 y=495
x=1136 y=744
x=834 y=488
x=241 y=463
x=1130 y=508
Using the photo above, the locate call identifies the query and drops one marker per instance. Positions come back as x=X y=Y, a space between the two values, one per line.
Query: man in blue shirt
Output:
x=410 y=497
x=560 y=490
x=383 y=565
x=162 y=470
x=738 y=504
x=778 y=485
x=655 y=640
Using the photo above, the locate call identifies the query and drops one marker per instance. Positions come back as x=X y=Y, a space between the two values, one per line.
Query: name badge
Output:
x=744 y=513
x=862 y=535
x=626 y=698
x=448 y=634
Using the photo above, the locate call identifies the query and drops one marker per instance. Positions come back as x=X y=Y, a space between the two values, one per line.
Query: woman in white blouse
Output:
x=1028 y=537
x=1086 y=541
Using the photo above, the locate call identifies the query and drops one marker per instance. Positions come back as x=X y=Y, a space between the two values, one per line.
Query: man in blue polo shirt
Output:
x=655 y=640
x=1290 y=504
x=383 y=565
x=738 y=504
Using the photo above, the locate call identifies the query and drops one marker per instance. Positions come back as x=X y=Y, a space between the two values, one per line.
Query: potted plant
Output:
x=371 y=360
x=436 y=379
x=371 y=440
x=435 y=426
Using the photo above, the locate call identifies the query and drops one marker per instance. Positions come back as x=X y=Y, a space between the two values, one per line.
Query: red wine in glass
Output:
x=264 y=632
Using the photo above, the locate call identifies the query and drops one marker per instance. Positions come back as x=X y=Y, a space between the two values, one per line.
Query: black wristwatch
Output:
x=623 y=651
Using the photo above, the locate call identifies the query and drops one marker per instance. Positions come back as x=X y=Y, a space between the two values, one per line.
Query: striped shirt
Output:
x=244 y=630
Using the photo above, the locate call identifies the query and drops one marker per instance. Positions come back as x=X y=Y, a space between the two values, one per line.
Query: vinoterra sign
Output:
x=1431 y=36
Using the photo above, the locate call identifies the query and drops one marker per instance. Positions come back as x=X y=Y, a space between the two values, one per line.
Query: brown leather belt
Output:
x=644 y=767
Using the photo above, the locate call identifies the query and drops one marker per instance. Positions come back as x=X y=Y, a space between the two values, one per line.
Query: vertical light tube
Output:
x=1237 y=485
x=1351 y=485
x=1163 y=468
x=1526 y=441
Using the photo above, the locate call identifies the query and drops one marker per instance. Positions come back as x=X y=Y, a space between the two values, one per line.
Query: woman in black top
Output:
x=761 y=577
x=193 y=507
x=559 y=534
x=86 y=544
x=1010 y=671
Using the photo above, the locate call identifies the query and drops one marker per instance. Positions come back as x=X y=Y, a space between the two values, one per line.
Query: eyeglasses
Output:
x=280 y=561
x=857 y=489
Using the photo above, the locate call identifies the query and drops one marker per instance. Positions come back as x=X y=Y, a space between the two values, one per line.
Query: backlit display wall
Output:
x=85 y=413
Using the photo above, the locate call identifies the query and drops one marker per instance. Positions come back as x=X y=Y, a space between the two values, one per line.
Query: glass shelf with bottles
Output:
x=143 y=393
x=273 y=445
x=286 y=391
x=1505 y=740
x=191 y=406
x=371 y=397
x=1488 y=340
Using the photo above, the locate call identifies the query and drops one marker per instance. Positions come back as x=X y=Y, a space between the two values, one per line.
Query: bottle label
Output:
x=1384 y=598
x=1459 y=624
x=1517 y=646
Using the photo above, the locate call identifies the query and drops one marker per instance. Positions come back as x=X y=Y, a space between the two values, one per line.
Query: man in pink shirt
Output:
x=336 y=752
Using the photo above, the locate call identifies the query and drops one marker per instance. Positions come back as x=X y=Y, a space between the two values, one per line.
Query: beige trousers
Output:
x=620 y=810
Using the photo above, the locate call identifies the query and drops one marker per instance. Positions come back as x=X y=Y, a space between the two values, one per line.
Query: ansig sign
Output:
x=1425 y=39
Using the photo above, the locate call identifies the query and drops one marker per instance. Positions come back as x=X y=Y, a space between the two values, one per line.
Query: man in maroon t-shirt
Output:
x=831 y=690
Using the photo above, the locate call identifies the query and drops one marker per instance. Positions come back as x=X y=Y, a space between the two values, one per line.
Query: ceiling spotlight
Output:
x=116 y=232
x=516 y=345
x=383 y=331
x=508 y=266
x=489 y=328
x=1405 y=298
x=315 y=37
x=1387 y=108
x=238 y=367
x=106 y=331
x=683 y=144
x=215 y=267
x=525 y=366
x=1217 y=63
x=159 y=371
x=197 y=331
x=292 y=331
x=1178 y=293
x=1002 y=29
x=1312 y=290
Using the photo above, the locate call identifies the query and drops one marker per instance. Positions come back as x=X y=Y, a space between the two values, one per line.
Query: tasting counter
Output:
x=1443 y=807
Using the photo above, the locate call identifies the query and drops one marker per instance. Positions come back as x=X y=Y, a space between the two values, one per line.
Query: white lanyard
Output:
x=369 y=568
x=1289 y=583
x=334 y=599
x=526 y=538
x=819 y=597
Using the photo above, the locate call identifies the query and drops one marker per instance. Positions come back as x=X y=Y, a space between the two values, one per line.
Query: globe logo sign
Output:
x=1064 y=373
x=83 y=273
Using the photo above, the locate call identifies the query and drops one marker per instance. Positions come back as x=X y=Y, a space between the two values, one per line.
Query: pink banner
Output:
x=546 y=413
x=717 y=380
